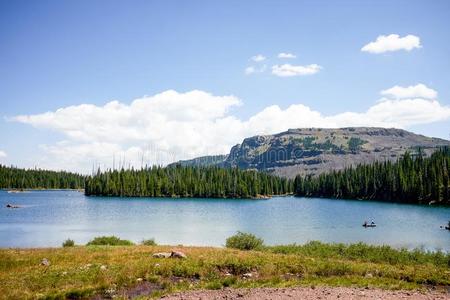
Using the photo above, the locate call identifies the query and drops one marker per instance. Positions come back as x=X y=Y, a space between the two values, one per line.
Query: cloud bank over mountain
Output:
x=169 y=126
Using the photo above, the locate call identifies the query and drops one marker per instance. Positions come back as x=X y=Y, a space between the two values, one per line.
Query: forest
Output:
x=184 y=181
x=411 y=179
x=15 y=178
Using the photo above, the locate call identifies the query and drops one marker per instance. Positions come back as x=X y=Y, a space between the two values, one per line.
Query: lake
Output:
x=47 y=218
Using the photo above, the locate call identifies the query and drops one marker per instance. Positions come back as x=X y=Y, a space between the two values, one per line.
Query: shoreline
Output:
x=38 y=189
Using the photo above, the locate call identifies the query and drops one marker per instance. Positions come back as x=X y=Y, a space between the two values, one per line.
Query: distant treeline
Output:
x=184 y=181
x=15 y=178
x=411 y=179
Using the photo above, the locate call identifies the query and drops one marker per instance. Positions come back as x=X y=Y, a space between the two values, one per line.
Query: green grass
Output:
x=366 y=253
x=80 y=272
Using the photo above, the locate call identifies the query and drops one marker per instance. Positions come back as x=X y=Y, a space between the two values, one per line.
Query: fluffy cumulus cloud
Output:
x=170 y=126
x=286 y=55
x=288 y=70
x=392 y=42
x=2 y=154
x=414 y=91
x=258 y=58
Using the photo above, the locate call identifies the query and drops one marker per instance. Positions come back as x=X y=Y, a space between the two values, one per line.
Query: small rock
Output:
x=227 y=274
x=139 y=279
x=87 y=266
x=64 y=273
x=247 y=275
x=45 y=262
x=178 y=254
x=157 y=265
x=103 y=267
x=162 y=255
x=369 y=275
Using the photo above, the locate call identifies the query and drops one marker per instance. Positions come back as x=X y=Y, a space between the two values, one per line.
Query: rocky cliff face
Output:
x=316 y=150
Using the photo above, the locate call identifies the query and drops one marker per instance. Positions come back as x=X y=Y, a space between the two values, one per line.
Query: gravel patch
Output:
x=308 y=293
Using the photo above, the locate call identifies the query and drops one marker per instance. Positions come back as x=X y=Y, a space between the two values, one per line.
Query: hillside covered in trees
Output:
x=411 y=179
x=15 y=178
x=183 y=181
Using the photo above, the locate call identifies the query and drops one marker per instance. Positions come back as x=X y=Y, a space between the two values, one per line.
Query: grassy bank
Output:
x=83 y=271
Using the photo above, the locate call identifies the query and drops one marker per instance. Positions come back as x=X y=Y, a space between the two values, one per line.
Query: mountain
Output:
x=317 y=150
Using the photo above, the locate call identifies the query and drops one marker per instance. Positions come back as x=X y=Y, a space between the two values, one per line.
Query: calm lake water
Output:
x=47 y=218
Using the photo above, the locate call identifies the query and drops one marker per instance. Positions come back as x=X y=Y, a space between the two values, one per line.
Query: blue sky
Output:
x=57 y=54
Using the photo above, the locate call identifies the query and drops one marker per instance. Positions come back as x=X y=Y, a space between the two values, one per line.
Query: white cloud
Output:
x=413 y=91
x=286 y=55
x=392 y=42
x=258 y=58
x=288 y=70
x=3 y=154
x=170 y=126
x=252 y=69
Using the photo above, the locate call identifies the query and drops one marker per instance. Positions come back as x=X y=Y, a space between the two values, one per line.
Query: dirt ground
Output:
x=309 y=293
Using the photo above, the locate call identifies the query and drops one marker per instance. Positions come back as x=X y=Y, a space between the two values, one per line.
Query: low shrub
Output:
x=68 y=243
x=109 y=241
x=244 y=241
x=149 y=242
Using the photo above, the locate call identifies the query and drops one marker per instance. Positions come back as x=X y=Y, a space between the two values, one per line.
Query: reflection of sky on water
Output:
x=49 y=217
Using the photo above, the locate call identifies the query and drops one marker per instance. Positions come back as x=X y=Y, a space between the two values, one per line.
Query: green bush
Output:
x=68 y=243
x=149 y=242
x=109 y=241
x=244 y=241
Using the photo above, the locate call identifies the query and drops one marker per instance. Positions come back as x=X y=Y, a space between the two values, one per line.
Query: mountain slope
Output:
x=316 y=150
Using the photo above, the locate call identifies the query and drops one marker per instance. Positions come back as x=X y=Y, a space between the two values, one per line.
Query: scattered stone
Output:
x=64 y=273
x=45 y=262
x=369 y=275
x=139 y=279
x=227 y=274
x=157 y=265
x=162 y=255
x=103 y=267
x=247 y=275
x=178 y=254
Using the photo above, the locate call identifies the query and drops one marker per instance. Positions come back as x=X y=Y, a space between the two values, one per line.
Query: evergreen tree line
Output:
x=15 y=178
x=186 y=181
x=411 y=179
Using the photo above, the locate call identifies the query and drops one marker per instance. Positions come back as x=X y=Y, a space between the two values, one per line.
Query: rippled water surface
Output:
x=47 y=218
